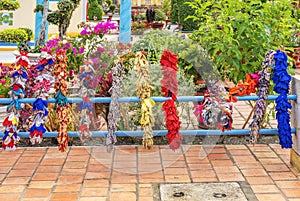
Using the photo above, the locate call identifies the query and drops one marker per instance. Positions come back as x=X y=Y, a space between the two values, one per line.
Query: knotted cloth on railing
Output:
x=61 y=104
x=43 y=82
x=144 y=89
x=17 y=91
x=169 y=86
x=114 y=110
x=282 y=79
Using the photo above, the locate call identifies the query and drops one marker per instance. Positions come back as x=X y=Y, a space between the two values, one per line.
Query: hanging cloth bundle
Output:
x=87 y=90
x=43 y=82
x=262 y=93
x=169 y=87
x=141 y=68
x=61 y=105
x=282 y=79
x=215 y=111
x=244 y=88
x=17 y=91
x=114 y=110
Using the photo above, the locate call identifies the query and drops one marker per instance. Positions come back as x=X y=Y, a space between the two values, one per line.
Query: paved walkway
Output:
x=90 y=173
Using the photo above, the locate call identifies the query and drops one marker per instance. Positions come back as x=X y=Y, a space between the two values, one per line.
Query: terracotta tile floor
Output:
x=90 y=173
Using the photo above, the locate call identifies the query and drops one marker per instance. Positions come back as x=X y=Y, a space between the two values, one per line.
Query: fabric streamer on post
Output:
x=141 y=68
x=87 y=90
x=17 y=90
x=282 y=79
x=114 y=110
x=43 y=82
x=244 y=88
x=215 y=111
x=61 y=105
x=169 y=84
x=262 y=93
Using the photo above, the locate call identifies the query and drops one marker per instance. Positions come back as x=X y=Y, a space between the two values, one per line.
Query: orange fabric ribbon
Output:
x=244 y=88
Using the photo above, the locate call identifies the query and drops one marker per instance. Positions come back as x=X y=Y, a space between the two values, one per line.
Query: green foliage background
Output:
x=237 y=34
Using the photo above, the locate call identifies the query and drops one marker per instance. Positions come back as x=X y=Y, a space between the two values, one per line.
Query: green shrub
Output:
x=190 y=54
x=13 y=35
x=9 y=5
x=174 y=11
x=54 y=17
x=112 y=8
x=29 y=33
x=108 y=2
x=237 y=35
x=184 y=10
x=95 y=11
x=160 y=15
x=166 y=5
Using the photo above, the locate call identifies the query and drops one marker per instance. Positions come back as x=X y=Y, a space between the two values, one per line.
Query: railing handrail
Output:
x=162 y=133
x=136 y=99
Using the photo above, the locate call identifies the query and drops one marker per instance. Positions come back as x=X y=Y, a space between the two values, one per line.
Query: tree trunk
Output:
x=42 y=35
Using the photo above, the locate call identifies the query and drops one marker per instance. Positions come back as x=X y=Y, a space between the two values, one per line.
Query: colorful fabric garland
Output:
x=87 y=90
x=43 y=82
x=215 y=111
x=114 y=110
x=169 y=84
x=17 y=91
x=144 y=89
x=262 y=93
x=61 y=105
x=244 y=88
x=281 y=79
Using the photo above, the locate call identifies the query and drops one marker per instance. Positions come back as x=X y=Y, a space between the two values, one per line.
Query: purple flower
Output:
x=81 y=50
x=86 y=30
x=74 y=50
x=103 y=27
x=53 y=43
x=104 y=65
x=83 y=32
x=3 y=82
x=95 y=60
x=100 y=49
x=66 y=46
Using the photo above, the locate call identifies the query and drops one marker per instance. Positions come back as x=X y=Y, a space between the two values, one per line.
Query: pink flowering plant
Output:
x=74 y=50
x=4 y=79
x=83 y=45
x=92 y=35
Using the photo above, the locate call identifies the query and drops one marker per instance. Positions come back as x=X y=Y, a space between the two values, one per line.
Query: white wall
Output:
x=25 y=17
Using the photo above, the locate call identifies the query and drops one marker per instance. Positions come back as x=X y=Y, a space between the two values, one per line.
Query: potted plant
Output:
x=159 y=19
x=138 y=28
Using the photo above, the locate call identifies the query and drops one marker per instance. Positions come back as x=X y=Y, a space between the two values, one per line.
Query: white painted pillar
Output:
x=295 y=121
x=84 y=3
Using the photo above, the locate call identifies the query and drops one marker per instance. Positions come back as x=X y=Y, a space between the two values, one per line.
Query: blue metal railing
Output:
x=136 y=99
x=155 y=132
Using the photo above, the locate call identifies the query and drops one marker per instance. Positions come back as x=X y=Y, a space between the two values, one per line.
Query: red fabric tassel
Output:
x=170 y=88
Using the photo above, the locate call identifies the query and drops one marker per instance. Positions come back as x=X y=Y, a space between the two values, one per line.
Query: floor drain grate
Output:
x=228 y=191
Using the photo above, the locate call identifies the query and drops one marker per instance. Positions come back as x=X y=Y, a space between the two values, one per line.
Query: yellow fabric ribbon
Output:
x=144 y=90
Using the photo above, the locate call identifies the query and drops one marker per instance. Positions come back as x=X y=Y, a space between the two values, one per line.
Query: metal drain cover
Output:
x=229 y=191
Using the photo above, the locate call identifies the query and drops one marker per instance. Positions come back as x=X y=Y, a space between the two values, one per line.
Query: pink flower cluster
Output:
x=99 y=29
x=56 y=44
